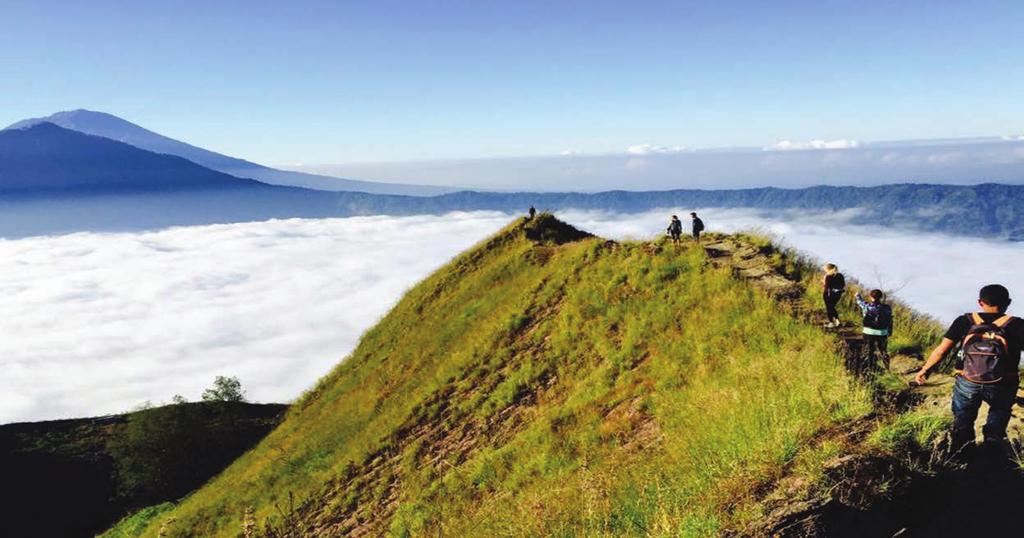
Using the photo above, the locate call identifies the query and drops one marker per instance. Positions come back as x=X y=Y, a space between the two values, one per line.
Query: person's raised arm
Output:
x=936 y=357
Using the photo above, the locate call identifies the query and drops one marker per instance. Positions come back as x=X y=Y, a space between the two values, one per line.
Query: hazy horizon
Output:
x=788 y=164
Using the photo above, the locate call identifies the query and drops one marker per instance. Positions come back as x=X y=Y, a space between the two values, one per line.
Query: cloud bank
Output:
x=649 y=167
x=98 y=323
x=649 y=149
x=812 y=144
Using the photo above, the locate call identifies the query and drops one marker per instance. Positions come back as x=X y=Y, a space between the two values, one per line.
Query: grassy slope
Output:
x=524 y=389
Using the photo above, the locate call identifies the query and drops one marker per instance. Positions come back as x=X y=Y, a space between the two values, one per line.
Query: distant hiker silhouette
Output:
x=697 y=226
x=987 y=368
x=532 y=212
x=877 y=326
x=675 y=229
x=834 y=284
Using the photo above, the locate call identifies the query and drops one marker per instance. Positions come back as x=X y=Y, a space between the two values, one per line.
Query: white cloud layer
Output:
x=650 y=149
x=813 y=144
x=98 y=323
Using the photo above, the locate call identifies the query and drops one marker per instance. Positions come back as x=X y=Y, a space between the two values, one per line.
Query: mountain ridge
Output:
x=46 y=157
x=550 y=382
x=81 y=185
x=115 y=128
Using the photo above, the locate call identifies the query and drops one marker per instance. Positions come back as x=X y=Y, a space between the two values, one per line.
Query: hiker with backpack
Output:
x=987 y=368
x=834 y=285
x=675 y=229
x=532 y=212
x=696 y=226
x=877 y=325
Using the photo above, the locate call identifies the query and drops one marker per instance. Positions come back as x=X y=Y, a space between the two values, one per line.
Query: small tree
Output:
x=224 y=389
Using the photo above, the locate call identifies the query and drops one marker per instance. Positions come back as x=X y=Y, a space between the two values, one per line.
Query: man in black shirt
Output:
x=999 y=393
x=697 y=226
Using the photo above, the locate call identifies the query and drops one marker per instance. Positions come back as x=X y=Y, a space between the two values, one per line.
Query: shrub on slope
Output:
x=545 y=383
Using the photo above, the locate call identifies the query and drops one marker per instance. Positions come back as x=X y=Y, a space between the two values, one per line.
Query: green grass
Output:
x=134 y=524
x=910 y=433
x=542 y=389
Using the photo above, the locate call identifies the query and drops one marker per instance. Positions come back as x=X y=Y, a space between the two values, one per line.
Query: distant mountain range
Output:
x=47 y=158
x=115 y=128
x=56 y=180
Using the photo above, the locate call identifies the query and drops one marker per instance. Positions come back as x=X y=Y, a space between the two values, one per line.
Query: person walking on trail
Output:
x=532 y=212
x=675 y=229
x=834 y=284
x=987 y=367
x=877 y=325
x=697 y=226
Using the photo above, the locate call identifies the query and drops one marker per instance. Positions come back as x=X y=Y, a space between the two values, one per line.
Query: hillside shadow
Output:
x=980 y=498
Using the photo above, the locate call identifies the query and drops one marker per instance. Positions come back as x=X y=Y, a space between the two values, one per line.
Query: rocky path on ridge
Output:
x=755 y=266
x=950 y=502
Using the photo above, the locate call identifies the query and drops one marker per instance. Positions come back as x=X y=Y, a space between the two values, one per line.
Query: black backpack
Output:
x=878 y=317
x=698 y=225
x=985 y=353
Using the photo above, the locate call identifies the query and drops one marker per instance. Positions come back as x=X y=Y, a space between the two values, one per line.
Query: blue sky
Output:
x=332 y=82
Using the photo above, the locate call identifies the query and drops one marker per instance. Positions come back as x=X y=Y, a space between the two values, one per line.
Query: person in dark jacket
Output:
x=834 y=284
x=675 y=228
x=532 y=212
x=976 y=332
x=697 y=226
x=877 y=325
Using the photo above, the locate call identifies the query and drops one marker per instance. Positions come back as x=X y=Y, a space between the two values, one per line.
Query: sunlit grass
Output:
x=652 y=395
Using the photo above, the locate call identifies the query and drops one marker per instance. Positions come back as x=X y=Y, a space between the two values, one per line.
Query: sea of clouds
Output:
x=95 y=323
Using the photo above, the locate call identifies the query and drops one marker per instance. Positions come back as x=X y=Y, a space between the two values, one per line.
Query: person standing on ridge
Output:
x=987 y=370
x=877 y=325
x=675 y=228
x=834 y=284
x=697 y=226
x=532 y=212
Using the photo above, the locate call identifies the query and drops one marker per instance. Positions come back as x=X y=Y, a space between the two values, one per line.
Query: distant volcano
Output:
x=115 y=128
x=45 y=157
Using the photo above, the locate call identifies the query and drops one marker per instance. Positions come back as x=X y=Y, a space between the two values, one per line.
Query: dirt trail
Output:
x=757 y=267
x=973 y=499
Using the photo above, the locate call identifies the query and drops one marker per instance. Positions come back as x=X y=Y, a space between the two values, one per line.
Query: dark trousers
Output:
x=696 y=235
x=967 y=398
x=831 y=300
x=878 y=345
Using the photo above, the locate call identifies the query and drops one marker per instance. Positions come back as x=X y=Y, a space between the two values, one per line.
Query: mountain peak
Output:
x=533 y=374
x=547 y=229
x=115 y=128
x=47 y=157
x=79 y=120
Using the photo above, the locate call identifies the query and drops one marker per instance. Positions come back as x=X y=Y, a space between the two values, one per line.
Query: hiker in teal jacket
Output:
x=877 y=325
